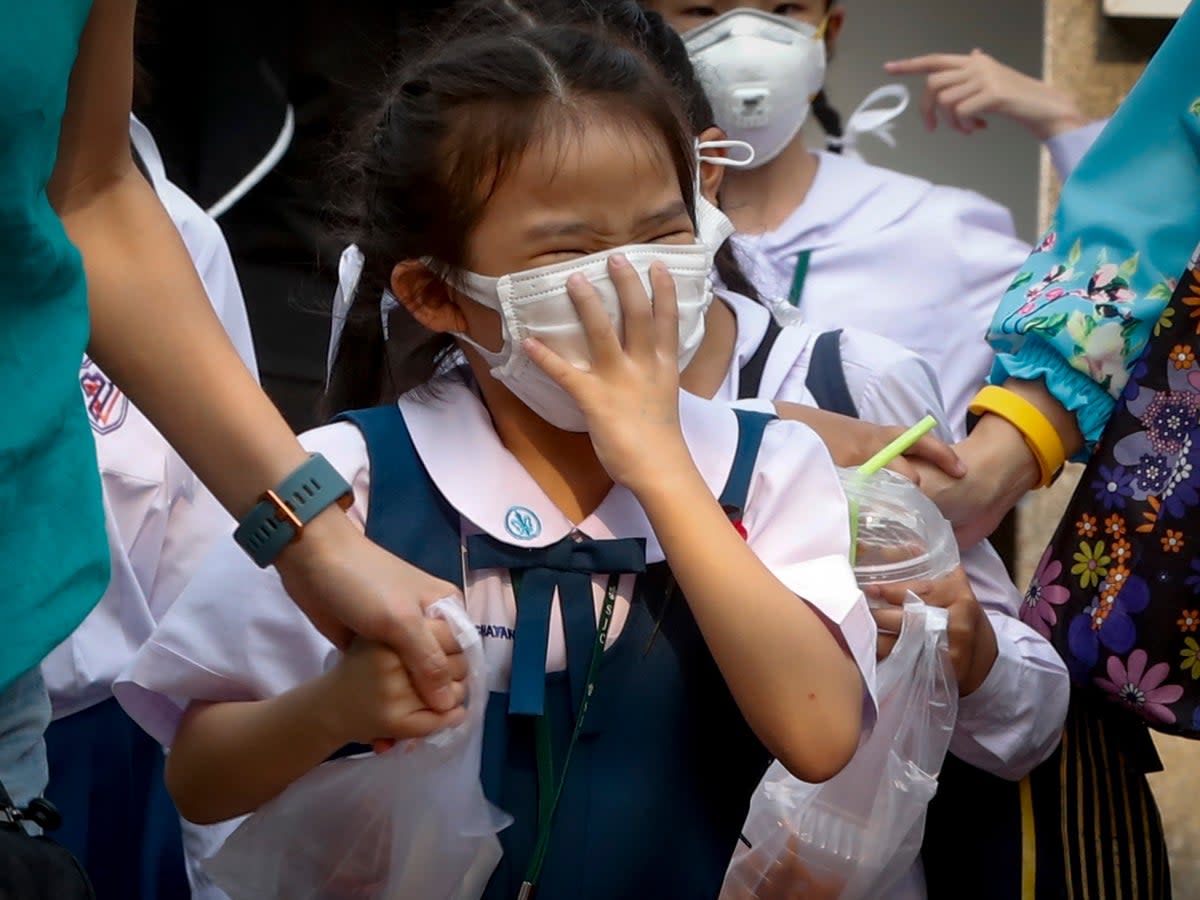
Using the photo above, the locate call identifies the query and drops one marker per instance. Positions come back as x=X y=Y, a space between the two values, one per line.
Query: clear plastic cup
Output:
x=902 y=536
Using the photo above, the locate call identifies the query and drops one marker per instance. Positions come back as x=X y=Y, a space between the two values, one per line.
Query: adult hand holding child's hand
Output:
x=973 y=647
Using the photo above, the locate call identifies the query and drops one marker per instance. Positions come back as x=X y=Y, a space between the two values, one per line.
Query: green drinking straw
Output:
x=877 y=462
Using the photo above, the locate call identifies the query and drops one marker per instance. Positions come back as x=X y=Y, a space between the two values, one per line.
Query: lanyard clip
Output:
x=526 y=891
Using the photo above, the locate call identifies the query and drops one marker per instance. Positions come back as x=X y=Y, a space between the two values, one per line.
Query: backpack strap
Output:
x=751 y=426
x=407 y=515
x=826 y=379
x=751 y=375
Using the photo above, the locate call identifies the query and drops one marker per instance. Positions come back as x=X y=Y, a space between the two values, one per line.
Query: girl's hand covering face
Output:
x=630 y=396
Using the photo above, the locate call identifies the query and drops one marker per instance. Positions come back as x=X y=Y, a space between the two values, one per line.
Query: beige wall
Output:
x=1097 y=58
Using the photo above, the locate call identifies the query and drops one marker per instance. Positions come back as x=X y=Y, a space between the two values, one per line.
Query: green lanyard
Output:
x=799 y=276
x=548 y=792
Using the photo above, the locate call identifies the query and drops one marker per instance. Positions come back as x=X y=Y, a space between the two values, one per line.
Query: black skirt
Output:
x=1082 y=826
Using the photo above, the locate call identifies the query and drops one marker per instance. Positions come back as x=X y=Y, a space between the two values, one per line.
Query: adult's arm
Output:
x=1080 y=311
x=155 y=334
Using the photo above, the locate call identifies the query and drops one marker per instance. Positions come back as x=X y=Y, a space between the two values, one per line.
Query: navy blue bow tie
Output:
x=567 y=565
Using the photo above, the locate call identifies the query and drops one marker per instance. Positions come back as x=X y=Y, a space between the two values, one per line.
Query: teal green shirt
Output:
x=52 y=544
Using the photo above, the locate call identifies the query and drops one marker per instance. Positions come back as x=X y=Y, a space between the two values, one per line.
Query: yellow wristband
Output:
x=1040 y=436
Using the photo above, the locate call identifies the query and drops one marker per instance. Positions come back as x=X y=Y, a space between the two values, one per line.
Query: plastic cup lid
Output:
x=902 y=536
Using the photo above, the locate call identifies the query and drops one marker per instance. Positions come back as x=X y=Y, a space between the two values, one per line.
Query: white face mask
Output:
x=761 y=72
x=713 y=227
x=535 y=303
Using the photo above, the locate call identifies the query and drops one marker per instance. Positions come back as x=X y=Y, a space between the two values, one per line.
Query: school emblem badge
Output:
x=106 y=404
x=522 y=523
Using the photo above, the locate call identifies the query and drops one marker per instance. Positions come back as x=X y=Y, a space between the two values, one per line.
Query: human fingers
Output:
x=925 y=64
x=637 y=313
x=445 y=636
x=948 y=101
x=424 y=660
x=561 y=372
x=949 y=78
x=893 y=594
x=666 y=312
x=604 y=346
x=905 y=469
x=934 y=450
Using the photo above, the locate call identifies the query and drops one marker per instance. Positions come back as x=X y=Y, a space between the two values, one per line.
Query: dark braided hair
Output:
x=830 y=121
x=827 y=117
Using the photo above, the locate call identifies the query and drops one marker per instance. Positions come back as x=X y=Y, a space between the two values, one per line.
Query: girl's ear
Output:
x=712 y=176
x=833 y=29
x=427 y=298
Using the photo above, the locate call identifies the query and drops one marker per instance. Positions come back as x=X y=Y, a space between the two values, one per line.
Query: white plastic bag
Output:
x=411 y=822
x=857 y=835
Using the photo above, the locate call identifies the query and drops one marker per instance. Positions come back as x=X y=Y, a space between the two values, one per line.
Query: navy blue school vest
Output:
x=661 y=778
x=826 y=379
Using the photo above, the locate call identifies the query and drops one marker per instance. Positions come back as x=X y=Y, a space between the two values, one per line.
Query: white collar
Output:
x=458 y=445
x=849 y=199
x=148 y=150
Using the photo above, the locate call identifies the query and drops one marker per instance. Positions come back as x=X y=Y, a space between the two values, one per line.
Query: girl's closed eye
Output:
x=682 y=233
x=671 y=225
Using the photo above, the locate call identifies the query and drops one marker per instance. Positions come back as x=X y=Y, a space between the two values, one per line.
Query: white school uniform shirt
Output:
x=159 y=518
x=922 y=264
x=235 y=635
x=1013 y=720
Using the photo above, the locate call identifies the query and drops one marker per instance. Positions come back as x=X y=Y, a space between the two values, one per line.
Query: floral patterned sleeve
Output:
x=1082 y=308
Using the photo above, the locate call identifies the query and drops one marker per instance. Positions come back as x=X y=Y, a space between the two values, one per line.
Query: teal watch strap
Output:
x=281 y=514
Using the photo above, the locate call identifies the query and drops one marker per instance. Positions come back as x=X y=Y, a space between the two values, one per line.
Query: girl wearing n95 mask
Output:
x=846 y=243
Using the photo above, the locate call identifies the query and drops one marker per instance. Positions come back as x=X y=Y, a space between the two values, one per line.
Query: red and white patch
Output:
x=106 y=405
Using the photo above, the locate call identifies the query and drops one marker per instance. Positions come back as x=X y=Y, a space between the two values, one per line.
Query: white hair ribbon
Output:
x=350 y=268
x=866 y=120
